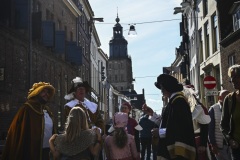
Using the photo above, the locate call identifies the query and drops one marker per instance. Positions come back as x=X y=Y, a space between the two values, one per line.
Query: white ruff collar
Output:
x=86 y=103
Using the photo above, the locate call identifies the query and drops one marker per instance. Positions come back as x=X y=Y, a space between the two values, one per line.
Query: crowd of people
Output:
x=185 y=130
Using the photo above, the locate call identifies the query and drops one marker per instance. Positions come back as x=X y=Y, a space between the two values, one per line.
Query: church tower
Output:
x=119 y=63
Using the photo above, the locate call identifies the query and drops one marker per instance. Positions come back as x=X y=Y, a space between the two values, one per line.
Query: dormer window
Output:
x=235 y=12
x=236 y=19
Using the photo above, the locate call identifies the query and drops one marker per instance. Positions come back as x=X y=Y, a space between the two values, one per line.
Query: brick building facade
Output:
x=56 y=51
x=229 y=37
x=14 y=83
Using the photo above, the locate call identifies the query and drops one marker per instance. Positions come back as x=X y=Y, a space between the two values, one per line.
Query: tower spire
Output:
x=117 y=19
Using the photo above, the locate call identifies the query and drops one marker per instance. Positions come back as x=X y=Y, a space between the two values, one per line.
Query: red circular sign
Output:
x=209 y=82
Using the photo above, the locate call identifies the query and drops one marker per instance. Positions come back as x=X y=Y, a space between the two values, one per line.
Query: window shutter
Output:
x=74 y=53
x=48 y=33
x=60 y=42
x=36 y=25
x=21 y=14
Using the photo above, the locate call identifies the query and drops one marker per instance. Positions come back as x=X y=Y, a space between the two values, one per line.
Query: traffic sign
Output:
x=212 y=92
x=209 y=82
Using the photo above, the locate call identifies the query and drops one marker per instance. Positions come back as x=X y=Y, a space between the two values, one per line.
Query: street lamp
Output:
x=178 y=10
x=97 y=19
x=185 y=6
x=132 y=31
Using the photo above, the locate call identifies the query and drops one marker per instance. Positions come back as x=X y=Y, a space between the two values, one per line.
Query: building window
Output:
x=79 y=41
x=87 y=74
x=200 y=46
x=52 y=16
x=207 y=47
x=71 y=36
x=48 y=14
x=65 y=29
x=231 y=60
x=236 y=20
x=116 y=78
x=59 y=25
x=83 y=71
x=215 y=33
x=38 y=7
x=83 y=22
x=205 y=8
x=87 y=48
x=83 y=48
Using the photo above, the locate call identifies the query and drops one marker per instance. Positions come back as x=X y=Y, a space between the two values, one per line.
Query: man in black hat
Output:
x=76 y=95
x=176 y=135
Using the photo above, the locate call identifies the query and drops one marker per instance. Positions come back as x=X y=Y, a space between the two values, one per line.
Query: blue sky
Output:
x=154 y=46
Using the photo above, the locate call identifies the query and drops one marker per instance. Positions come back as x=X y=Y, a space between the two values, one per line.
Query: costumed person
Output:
x=176 y=134
x=230 y=119
x=119 y=144
x=133 y=127
x=78 y=141
x=32 y=126
x=76 y=95
x=218 y=145
x=201 y=120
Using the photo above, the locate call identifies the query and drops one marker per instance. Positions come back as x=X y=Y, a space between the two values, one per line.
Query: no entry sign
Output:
x=209 y=82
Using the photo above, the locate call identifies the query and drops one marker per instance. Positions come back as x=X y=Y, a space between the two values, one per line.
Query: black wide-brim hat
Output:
x=169 y=83
x=76 y=83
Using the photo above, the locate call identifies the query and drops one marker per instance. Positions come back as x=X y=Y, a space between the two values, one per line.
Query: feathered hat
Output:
x=38 y=87
x=77 y=82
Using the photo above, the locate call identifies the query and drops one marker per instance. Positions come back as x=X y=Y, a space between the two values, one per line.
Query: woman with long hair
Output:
x=119 y=144
x=78 y=141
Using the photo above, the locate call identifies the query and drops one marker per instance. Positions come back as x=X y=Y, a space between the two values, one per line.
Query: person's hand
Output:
x=147 y=110
x=155 y=132
x=53 y=138
x=201 y=149
x=97 y=131
x=234 y=144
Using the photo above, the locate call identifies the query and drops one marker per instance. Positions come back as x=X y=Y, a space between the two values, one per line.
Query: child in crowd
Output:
x=119 y=144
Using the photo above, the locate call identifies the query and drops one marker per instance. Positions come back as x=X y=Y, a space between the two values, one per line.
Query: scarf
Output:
x=81 y=143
